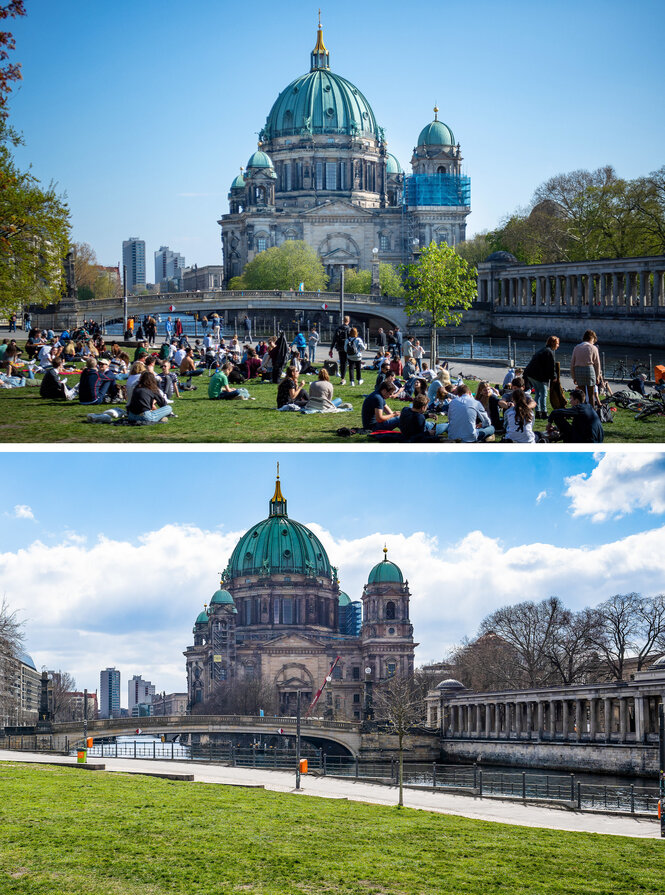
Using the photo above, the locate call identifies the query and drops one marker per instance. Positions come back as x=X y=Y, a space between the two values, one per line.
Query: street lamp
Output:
x=375 y=288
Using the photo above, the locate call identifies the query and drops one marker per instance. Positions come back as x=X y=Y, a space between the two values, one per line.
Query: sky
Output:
x=143 y=113
x=110 y=563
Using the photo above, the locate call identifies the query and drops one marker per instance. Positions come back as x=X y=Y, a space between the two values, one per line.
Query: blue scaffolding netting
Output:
x=437 y=189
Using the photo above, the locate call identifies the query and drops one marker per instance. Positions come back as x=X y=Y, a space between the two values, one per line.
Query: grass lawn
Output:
x=25 y=417
x=67 y=832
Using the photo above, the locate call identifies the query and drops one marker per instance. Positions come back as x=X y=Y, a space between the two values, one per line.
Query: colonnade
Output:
x=606 y=718
x=635 y=285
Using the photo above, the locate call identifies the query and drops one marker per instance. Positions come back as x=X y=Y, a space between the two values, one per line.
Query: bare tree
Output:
x=399 y=702
x=529 y=629
x=617 y=631
x=572 y=651
x=650 y=617
x=62 y=702
x=11 y=642
x=486 y=663
x=239 y=697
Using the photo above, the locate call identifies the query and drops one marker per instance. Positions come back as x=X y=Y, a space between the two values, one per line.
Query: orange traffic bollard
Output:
x=303 y=765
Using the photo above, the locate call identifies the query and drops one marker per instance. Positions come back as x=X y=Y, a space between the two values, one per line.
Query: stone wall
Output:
x=625 y=760
x=617 y=329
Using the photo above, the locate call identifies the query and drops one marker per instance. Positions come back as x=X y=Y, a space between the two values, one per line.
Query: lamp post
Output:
x=124 y=300
x=368 y=694
x=375 y=288
x=661 y=767
x=341 y=295
x=298 y=740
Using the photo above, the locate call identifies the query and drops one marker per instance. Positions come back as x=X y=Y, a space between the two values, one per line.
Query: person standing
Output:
x=540 y=371
x=354 y=348
x=585 y=365
x=12 y=323
x=381 y=339
x=168 y=329
x=247 y=323
x=339 y=344
x=399 y=339
x=312 y=341
x=177 y=329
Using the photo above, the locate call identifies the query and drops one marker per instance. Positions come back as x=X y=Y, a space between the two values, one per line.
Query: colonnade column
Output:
x=479 y=716
x=593 y=718
x=497 y=719
x=518 y=719
x=639 y=719
x=607 y=712
x=578 y=719
x=541 y=718
x=552 y=719
x=488 y=719
x=565 y=722
x=623 y=718
x=590 y=289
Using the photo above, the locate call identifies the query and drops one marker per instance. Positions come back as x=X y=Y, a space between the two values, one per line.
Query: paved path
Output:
x=358 y=791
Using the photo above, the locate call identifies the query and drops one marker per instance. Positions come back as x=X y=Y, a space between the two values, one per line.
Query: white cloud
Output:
x=620 y=484
x=22 y=511
x=133 y=605
x=541 y=496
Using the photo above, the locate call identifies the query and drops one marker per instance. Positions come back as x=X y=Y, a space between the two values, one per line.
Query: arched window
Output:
x=384 y=243
x=390 y=609
x=441 y=169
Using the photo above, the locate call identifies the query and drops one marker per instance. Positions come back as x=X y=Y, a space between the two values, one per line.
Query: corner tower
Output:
x=387 y=632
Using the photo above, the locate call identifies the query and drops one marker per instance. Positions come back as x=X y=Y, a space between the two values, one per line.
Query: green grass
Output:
x=64 y=831
x=25 y=417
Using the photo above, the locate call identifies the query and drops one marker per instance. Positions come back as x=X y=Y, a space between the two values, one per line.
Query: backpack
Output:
x=352 y=349
x=605 y=414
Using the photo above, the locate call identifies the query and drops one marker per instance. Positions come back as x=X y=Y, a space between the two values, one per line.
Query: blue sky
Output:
x=109 y=557
x=144 y=112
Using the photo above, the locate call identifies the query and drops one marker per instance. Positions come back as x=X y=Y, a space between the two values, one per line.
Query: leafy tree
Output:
x=34 y=234
x=399 y=703
x=439 y=287
x=476 y=249
x=9 y=71
x=360 y=281
x=285 y=267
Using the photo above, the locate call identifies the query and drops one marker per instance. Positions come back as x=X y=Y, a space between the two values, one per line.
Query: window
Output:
x=342 y=176
x=261 y=244
x=384 y=243
x=287 y=176
x=337 y=672
x=249 y=672
x=287 y=611
x=319 y=176
x=275 y=611
x=356 y=673
x=248 y=612
x=356 y=697
x=391 y=669
x=390 y=609
x=331 y=175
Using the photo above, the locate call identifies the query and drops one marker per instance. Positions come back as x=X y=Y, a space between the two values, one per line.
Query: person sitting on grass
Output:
x=168 y=380
x=55 y=388
x=97 y=385
x=467 y=420
x=135 y=371
x=579 y=423
x=441 y=401
x=219 y=388
x=321 y=394
x=518 y=419
x=188 y=366
x=425 y=372
x=376 y=415
x=415 y=425
x=289 y=391
x=385 y=369
x=252 y=364
x=148 y=403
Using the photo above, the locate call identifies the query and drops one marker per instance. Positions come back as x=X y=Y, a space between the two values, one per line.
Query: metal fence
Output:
x=556 y=790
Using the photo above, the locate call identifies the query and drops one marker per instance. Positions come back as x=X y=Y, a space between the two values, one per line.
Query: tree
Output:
x=390 y=281
x=9 y=71
x=439 y=287
x=571 y=649
x=486 y=663
x=616 y=635
x=530 y=629
x=476 y=249
x=11 y=642
x=239 y=697
x=284 y=267
x=62 y=685
x=86 y=266
x=34 y=234
x=399 y=702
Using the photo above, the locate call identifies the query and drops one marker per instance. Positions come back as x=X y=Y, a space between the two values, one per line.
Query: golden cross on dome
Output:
x=385 y=552
x=436 y=111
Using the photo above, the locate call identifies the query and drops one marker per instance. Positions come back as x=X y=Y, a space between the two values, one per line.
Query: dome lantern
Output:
x=320 y=55
x=385 y=572
x=277 y=506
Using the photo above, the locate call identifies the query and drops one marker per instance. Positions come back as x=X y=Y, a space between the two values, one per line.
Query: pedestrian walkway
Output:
x=494 y=810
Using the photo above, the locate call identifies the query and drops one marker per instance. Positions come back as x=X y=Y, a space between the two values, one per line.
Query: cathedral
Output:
x=280 y=617
x=322 y=173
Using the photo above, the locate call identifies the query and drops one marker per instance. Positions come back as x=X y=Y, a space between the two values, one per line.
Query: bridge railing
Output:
x=203 y=722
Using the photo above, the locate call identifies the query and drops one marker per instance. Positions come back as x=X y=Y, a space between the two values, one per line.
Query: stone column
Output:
x=564 y=726
x=578 y=719
x=488 y=719
x=623 y=719
x=497 y=720
x=590 y=289
x=548 y=291
x=518 y=719
x=557 y=291
x=580 y=291
x=615 y=290
x=469 y=710
x=552 y=719
x=541 y=718
x=639 y=719
x=539 y=294
x=479 y=718
x=644 y=285
x=607 y=712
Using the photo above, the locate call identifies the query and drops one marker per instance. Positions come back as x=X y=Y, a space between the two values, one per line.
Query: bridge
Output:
x=343 y=733
x=373 y=310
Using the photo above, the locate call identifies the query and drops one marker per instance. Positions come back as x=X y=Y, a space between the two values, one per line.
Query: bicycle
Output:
x=655 y=407
x=621 y=371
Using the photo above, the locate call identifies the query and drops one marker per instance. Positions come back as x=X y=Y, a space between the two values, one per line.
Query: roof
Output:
x=344 y=599
x=393 y=166
x=385 y=572
x=259 y=159
x=436 y=133
x=27 y=660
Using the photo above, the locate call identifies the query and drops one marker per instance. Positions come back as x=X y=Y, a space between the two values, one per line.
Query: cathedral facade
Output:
x=280 y=617
x=322 y=173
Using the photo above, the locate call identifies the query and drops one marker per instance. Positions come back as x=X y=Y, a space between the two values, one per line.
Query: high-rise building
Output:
x=133 y=260
x=139 y=692
x=169 y=266
x=109 y=693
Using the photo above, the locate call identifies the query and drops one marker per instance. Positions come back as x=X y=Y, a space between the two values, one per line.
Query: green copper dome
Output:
x=385 y=572
x=202 y=618
x=221 y=596
x=258 y=160
x=436 y=133
x=344 y=599
x=279 y=545
x=239 y=182
x=392 y=165
x=320 y=102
